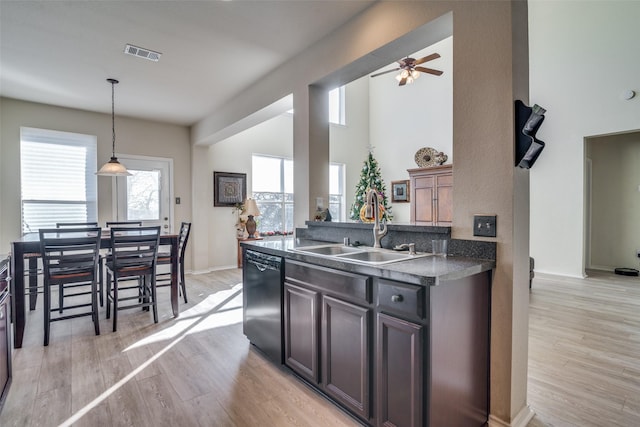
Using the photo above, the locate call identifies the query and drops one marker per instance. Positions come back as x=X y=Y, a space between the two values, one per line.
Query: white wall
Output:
x=134 y=136
x=615 y=196
x=404 y=119
x=348 y=143
x=583 y=55
x=274 y=137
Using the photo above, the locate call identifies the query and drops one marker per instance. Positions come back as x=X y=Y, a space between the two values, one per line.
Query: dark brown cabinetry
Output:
x=5 y=342
x=343 y=321
x=432 y=195
x=391 y=353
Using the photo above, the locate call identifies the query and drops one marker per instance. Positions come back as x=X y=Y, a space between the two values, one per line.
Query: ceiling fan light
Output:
x=398 y=77
x=404 y=74
x=409 y=79
x=415 y=74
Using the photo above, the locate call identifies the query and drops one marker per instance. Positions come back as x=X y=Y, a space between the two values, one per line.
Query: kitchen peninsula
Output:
x=400 y=343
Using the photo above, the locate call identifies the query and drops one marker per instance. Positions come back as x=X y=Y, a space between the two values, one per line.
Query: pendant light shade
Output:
x=113 y=167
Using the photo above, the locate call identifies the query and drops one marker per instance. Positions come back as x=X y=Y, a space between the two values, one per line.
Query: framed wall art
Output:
x=400 y=191
x=229 y=188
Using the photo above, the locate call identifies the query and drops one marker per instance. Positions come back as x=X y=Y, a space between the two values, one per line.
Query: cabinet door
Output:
x=346 y=359
x=444 y=200
x=301 y=331
x=399 y=359
x=422 y=201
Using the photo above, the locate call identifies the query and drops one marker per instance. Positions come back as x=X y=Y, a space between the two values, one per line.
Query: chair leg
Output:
x=47 y=313
x=153 y=299
x=94 y=307
x=60 y=298
x=115 y=302
x=101 y=282
x=182 y=283
x=108 y=295
x=33 y=283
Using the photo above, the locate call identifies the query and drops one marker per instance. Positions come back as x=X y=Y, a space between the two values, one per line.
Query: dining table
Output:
x=30 y=244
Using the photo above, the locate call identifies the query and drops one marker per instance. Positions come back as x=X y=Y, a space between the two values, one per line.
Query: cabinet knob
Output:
x=396 y=298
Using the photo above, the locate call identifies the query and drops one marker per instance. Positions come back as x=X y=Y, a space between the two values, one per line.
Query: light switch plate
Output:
x=484 y=225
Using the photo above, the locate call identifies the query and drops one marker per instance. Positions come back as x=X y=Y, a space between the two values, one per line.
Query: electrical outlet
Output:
x=484 y=225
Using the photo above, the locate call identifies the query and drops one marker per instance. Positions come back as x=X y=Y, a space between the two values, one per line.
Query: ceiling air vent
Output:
x=141 y=52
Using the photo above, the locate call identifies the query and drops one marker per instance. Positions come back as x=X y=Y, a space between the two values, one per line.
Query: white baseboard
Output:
x=552 y=276
x=521 y=420
x=212 y=269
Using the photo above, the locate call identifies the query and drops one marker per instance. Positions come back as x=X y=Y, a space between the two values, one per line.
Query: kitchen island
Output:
x=404 y=343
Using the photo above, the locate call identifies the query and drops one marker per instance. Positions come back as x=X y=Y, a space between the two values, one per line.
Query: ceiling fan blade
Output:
x=427 y=58
x=403 y=82
x=429 y=71
x=385 y=72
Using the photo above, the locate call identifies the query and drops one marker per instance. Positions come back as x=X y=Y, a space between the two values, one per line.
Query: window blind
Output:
x=58 y=180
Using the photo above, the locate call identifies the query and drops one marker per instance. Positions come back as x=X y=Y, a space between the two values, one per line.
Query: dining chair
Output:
x=70 y=260
x=164 y=258
x=134 y=255
x=101 y=275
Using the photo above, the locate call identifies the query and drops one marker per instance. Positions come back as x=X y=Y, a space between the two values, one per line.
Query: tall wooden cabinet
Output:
x=432 y=195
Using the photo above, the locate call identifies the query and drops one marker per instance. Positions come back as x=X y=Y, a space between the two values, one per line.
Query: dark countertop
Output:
x=428 y=271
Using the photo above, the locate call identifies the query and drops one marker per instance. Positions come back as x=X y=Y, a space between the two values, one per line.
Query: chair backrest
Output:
x=185 y=229
x=135 y=250
x=76 y=224
x=70 y=254
x=111 y=224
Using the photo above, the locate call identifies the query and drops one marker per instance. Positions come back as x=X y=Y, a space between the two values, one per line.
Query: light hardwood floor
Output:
x=584 y=351
x=199 y=370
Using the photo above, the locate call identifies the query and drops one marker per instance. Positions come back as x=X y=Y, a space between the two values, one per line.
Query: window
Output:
x=336 y=106
x=336 y=192
x=58 y=178
x=272 y=185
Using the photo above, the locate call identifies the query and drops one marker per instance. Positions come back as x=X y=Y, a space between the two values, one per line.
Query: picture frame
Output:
x=229 y=188
x=400 y=191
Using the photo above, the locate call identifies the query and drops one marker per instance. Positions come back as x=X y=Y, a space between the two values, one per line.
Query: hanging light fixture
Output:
x=113 y=167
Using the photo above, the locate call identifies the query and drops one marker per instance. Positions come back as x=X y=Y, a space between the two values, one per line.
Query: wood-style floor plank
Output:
x=200 y=370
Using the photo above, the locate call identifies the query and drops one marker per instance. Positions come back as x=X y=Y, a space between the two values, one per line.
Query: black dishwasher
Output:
x=262 y=302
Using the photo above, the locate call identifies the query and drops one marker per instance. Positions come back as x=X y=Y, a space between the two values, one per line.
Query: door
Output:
x=146 y=194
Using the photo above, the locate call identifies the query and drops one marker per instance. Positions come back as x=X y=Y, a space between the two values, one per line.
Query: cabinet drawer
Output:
x=353 y=287
x=401 y=298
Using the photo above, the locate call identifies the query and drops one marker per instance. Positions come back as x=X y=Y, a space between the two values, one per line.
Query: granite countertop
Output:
x=427 y=271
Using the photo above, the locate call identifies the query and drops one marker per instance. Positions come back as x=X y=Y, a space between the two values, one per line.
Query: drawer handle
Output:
x=396 y=298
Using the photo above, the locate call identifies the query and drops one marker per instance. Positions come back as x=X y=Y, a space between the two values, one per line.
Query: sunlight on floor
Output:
x=220 y=309
x=223 y=308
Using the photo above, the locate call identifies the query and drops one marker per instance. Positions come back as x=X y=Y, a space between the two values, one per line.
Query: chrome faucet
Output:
x=372 y=211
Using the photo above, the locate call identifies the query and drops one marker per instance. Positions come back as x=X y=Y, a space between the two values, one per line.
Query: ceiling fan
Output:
x=409 y=70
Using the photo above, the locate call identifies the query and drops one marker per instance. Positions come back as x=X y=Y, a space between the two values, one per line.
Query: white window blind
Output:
x=58 y=178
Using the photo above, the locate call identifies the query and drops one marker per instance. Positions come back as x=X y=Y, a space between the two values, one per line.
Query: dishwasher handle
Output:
x=263 y=262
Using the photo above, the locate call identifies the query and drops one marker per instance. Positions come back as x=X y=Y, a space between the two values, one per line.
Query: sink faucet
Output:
x=372 y=211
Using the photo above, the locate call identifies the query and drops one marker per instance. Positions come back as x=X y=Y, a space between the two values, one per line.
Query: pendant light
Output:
x=113 y=167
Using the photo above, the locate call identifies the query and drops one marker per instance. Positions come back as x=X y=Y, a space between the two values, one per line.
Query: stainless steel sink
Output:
x=329 y=249
x=361 y=254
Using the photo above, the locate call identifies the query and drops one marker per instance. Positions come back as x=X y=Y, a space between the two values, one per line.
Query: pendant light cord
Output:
x=113 y=117
x=113 y=120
